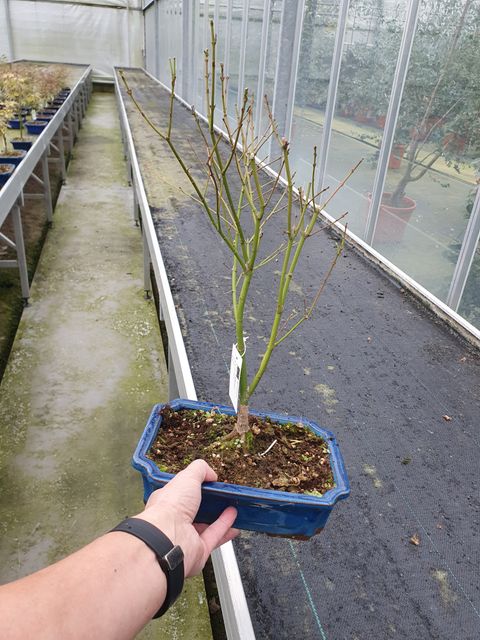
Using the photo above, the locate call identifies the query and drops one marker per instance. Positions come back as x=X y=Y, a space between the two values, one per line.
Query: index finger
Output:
x=197 y=471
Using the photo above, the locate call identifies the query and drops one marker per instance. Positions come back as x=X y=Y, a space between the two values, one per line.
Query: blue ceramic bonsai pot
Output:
x=9 y=158
x=265 y=510
x=36 y=126
x=22 y=144
x=44 y=117
x=6 y=170
x=14 y=123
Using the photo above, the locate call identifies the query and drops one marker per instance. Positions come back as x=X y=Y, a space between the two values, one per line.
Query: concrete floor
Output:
x=86 y=367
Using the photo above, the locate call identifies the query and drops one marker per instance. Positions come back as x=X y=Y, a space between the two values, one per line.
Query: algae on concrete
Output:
x=86 y=368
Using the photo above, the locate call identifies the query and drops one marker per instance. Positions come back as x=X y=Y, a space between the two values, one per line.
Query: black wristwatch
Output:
x=169 y=556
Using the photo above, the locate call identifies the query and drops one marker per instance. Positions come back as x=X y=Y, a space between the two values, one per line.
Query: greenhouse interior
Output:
x=248 y=232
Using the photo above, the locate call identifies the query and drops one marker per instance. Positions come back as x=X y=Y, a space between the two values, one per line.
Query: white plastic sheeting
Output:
x=102 y=35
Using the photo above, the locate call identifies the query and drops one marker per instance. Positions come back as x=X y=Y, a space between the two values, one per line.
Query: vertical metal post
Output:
x=262 y=65
x=61 y=152
x=129 y=171
x=243 y=51
x=172 y=380
x=83 y=94
x=332 y=94
x=147 y=285
x=127 y=33
x=228 y=36
x=186 y=48
x=21 y=257
x=157 y=37
x=70 y=129
x=8 y=20
x=392 y=116
x=47 y=194
x=135 y=205
x=79 y=114
x=206 y=24
x=466 y=256
x=195 y=26
x=287 y=65
x=206 y=43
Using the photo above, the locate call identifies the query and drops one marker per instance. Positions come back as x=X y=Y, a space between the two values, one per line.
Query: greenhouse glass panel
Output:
x=370 y=51
x=203 y=14
x=234 y=56
x=271 y=59
x=316 y=52
x=162 y=47
x=150 y=47
x=170 y=39
x=433 y=173
x=252 y=54
x=221 y=31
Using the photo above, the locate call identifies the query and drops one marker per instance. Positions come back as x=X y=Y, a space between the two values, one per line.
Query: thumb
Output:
x=215 y=534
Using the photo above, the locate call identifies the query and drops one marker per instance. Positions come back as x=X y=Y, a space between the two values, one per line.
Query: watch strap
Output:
x=169 y=556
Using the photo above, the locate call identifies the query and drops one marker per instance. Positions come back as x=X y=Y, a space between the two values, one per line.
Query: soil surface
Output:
x=286 y=457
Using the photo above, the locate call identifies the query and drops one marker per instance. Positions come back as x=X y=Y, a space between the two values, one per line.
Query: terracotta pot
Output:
x=362 y=117
x=454 y=142
x=392 y=221
x=395 y=160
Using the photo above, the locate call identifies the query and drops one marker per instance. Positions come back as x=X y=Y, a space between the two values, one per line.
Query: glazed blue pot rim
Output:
x=340 y=491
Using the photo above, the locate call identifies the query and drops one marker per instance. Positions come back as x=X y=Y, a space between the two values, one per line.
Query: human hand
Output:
x=173 y=508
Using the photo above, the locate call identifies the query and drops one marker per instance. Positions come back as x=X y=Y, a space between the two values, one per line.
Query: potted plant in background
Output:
x=235 y=438
x=440 y=109
x=437 y=126
x=6 y=167
x=16 y=87
x=7 y=156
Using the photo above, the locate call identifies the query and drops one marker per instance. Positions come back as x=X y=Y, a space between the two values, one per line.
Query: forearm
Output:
x=109 y=589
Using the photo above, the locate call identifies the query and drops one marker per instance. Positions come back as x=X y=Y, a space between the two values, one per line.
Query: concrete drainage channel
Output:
x=236 y=616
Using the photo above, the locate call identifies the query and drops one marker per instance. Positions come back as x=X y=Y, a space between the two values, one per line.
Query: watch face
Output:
x=174 y=557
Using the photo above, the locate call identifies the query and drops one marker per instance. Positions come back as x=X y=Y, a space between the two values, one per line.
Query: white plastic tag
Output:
x=235 y=371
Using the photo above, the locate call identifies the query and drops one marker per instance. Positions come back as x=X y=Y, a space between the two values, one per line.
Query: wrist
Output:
x=163 y=521
x=168 y=555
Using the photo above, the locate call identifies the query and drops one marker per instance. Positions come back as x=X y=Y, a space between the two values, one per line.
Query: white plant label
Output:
x=235 y=371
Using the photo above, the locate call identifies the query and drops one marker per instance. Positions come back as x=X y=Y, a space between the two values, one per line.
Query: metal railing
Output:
x=235 y=611
x=67 y=118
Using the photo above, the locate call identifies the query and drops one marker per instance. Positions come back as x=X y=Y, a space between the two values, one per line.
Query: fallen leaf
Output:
x=415 y=539
x=464 y=359
x=447 y=418
x=406 y=460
